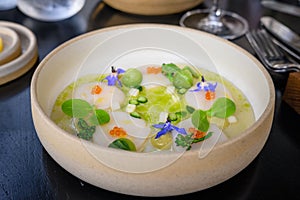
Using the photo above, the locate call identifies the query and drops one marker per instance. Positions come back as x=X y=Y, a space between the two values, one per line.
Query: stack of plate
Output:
x=18 y=51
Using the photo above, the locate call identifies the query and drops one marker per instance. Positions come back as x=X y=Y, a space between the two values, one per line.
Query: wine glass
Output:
x=214 y=20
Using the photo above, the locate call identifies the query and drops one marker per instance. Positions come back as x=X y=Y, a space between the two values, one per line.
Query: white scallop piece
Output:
x=109 y=97
x=197 y=99
x=136 y=129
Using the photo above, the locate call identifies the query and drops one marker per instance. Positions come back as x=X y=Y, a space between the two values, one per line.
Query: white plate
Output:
x=26 y=60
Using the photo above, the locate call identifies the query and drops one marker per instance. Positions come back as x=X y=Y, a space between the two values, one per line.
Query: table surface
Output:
x=28 y=172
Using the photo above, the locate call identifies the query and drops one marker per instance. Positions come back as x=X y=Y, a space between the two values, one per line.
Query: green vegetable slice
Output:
x=123 y=143
x=133 y=101
x=135 y=115
x=142 y=99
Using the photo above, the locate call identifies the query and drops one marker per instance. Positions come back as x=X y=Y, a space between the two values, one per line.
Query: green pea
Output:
x=132 y=78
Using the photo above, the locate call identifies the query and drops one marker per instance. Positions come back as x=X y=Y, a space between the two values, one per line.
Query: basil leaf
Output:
x=190 y=109
x=222 y=108
x=123 y=143
x=200 y=121
x=76 y=108
x=102 y=116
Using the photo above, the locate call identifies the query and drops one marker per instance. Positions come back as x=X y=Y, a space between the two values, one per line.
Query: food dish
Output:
x=166 y=173
x=153 y=108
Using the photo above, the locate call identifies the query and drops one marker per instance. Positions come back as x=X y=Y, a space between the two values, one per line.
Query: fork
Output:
x=270 y=54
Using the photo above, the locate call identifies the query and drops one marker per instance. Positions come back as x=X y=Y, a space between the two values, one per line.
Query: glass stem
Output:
x=215 y=11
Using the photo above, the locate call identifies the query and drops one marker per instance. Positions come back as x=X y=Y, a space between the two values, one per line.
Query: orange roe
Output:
x=153 y=70
x=196 y=133
x=209 y=95
x=96 y=89
x=117 y=132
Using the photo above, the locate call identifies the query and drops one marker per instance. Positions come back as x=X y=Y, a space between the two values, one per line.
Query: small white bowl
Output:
x=153 y=7
x=28 y=57
x=155 y=174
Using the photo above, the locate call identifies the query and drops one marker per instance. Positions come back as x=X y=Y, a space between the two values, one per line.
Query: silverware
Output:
x=270 y=54
x=282 y=7
x=284 y=34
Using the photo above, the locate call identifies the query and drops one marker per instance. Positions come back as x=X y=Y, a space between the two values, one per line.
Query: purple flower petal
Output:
x=120 y=71
x=158 y=126
x=179 y=130
x=160 y=133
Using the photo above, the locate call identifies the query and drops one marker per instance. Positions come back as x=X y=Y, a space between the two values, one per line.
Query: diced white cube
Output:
x=170 y=89
x=115 y=106
x=130 y=108
x=232 y=119
x=134 y=92
x=163 y=116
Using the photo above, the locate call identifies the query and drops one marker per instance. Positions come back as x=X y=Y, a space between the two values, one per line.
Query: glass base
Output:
x=230 y=26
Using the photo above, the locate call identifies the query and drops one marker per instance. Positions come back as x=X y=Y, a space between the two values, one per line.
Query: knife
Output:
x=282 y=7
x=290 y=39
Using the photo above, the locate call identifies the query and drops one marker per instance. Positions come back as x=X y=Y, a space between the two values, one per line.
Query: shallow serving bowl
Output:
x=153 y=7
x=150 y=174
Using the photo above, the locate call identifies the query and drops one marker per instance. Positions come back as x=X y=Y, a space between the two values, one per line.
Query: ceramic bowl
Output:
x=153 y=174
x=25 y=52
x=11 y=45
x=153 y=7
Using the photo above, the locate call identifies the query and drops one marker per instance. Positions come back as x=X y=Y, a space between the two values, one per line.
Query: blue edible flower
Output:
x=205 y=86
x=113 y=77
x=167 y=127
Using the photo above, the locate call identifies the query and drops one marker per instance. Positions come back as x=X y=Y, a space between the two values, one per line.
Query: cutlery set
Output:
x=282 y=7
x=278 y=48
x=276 y=45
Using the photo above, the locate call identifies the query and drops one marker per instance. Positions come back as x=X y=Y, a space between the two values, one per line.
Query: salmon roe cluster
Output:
x=118 y=132
x=196 y=133
x=96 y=89
x=154 y=70
x=210 y=95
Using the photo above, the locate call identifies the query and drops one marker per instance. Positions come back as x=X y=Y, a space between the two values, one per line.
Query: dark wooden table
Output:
x=28 y=172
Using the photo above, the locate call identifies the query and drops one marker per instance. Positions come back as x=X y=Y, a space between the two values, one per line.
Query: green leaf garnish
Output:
x=222 y=108
x=123 y=143
x=190 y=109
x=85 y=131
x=102 y=116
x=184 y=141
x=200 y=121
x=77 y=108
